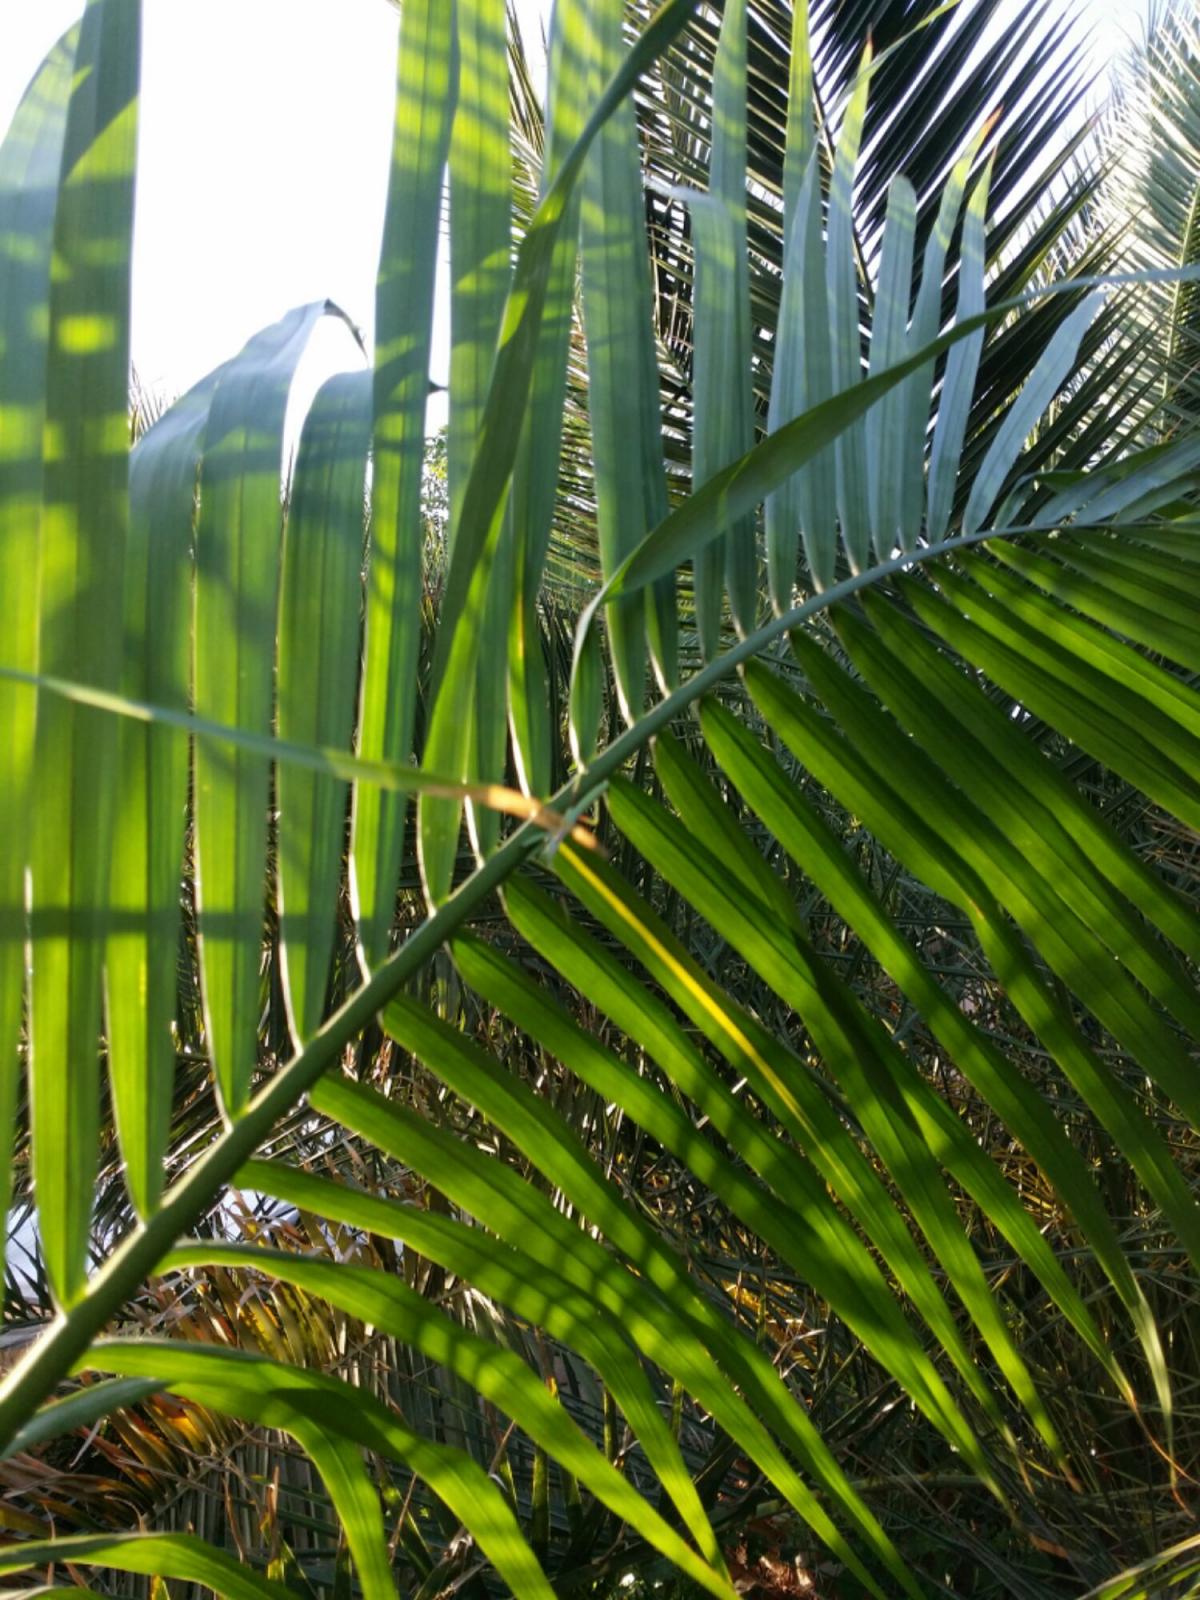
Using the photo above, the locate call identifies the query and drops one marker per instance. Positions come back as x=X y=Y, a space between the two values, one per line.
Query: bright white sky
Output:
x=265 y=144
x=265 y=140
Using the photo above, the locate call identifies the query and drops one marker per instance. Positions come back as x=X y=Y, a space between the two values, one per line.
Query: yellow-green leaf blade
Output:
x=319 y=628
x=84 y=525
x=238 y=546
x=30 y=159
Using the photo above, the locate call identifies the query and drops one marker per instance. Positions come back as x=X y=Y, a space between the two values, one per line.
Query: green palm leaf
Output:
x=818 y=1059
x=84 y=522
x=30 y=159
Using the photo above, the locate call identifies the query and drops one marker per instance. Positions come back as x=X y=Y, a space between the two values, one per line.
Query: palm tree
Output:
x=805 y=1080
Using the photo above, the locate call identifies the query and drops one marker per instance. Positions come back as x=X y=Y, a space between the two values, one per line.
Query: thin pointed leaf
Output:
x=80 y=1410
x=801 y=138
x=426 y=85
x=1043 y=384
x=911 y=414
x=1094 y=501
x=1045 y=820
x=327 y=760
x=845 y=341
x=30 y=160
x=313 y=1409
x=156 y=1555
x=519 y=1281
x=84 y=524
x=741 y=486
x=962 y=364
x=536 y=464
x=810 y=841
x=623 y=398
x=319 y=629
x=480 y=249
x=386 y=1303
x=818 y=1245
x=723 y=422
x=806 y=502
x=1059 y=667
x=964 y=874
x=147 y=860
x=889 y=344
x=456 y=649
x=520 y=1214
x=238 y=546
x=1138 y=616
x=876 y=1083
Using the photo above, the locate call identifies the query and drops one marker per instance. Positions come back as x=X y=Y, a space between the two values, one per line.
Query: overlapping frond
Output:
x=839 y=877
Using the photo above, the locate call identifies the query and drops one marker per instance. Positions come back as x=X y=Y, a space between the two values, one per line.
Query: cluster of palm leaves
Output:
x=738 y=1129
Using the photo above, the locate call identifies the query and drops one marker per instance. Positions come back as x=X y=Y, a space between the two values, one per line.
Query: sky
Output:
x=265 y=139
